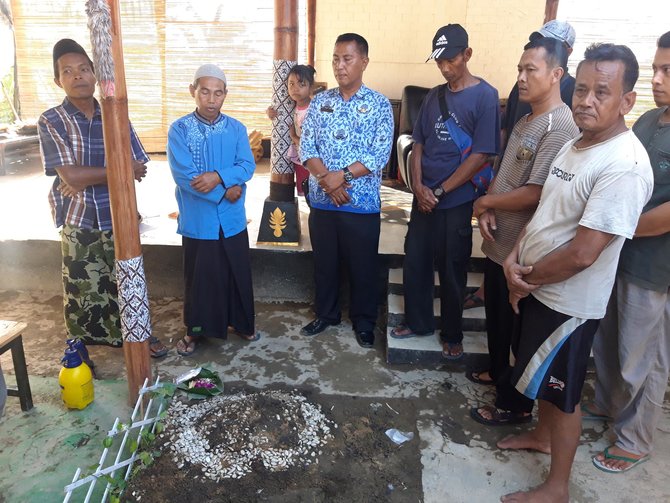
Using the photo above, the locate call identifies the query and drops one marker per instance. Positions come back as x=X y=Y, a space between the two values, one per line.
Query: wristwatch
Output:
x=348 y=175
x=438 y=192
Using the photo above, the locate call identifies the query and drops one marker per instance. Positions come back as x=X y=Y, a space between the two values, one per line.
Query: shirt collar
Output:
x=73 y=110
x=362 y=92
x=205 y=121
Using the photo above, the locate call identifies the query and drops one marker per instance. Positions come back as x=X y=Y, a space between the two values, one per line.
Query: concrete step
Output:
x=428 y=349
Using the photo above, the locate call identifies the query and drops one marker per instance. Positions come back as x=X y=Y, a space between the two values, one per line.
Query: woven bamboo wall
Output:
x=164 y=41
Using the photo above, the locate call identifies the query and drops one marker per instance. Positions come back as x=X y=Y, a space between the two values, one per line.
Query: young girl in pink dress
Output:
x=300 y=82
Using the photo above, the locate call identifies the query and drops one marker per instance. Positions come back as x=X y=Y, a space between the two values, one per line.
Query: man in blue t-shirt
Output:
x=439 y=230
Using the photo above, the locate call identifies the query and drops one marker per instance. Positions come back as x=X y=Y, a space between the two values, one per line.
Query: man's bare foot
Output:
x=591 y=412
x=541 y=494
x=615 y=459
x=526 y=440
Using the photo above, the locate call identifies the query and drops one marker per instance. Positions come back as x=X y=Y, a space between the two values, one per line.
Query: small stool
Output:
x=10 y=338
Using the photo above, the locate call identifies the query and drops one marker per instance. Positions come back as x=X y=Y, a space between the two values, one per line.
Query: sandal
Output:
x=188 y=346
x=249 y=337
x=600 y=464
x=452 y=350
x=472 y=300
x=499 y=417
x=476 y=377
x=404 y=332
x=156 y=347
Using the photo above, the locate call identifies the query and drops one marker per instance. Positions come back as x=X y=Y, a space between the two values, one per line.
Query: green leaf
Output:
x=113 y=498
x=146 y=458
x=159 y=427
x=133 y=445
x=107 y=442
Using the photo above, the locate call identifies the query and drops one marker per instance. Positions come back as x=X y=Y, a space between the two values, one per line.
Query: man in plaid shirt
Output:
x=73 y=151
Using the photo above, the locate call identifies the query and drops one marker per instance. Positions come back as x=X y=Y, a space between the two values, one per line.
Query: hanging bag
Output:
x=482 y=179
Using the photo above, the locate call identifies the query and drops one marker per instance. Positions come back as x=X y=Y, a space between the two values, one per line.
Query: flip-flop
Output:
x=156 y=347
x=600 y=465
x=249 y=337
x=475 y=377
x=189 y=345
x=408 y=333
x=454 y=351
x=473 y=300
x=589 y=414
x=499 y=417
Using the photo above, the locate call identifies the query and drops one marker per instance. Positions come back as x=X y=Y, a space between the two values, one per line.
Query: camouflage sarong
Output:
x=89 y=286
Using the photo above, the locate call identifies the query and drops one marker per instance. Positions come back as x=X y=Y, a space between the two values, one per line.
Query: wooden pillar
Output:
x=311 y=30
x=280 y=220
x=550 y=10
x=133 y=297
x=285 y=56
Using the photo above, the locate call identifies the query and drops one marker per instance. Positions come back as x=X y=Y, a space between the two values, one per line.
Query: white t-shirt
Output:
x=604 y=188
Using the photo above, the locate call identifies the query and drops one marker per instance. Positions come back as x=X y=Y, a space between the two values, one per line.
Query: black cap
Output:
x=66 y=46
x=449 y=41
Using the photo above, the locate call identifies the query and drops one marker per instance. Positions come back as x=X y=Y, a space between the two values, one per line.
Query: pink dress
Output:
x=301 y=172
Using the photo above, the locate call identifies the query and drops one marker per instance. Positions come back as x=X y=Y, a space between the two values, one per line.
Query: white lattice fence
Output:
x=132 y=434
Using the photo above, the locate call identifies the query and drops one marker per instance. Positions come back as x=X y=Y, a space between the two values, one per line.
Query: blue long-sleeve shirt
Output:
x=342 y=132
x=196 y=146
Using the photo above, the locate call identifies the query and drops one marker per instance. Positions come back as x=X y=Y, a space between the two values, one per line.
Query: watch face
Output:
x=348 y=175
x=438 y=191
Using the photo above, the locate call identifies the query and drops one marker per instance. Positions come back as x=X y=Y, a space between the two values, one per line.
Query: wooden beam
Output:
x=550 y=10
x=133 y=300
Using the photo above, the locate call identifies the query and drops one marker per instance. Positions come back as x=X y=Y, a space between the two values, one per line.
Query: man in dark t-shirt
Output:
x=439 y=230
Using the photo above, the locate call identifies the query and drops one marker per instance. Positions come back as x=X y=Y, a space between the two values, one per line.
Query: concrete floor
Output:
x=40 y=450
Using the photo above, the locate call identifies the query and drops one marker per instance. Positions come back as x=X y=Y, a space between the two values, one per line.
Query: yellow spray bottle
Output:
x=75 y=379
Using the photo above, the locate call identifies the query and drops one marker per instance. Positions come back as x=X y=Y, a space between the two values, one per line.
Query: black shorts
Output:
x=553 y=353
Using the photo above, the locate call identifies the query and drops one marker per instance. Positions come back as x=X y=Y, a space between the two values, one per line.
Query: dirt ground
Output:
x=360 y=463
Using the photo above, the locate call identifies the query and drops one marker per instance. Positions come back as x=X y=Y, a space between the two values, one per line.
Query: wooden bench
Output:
x=10 y=338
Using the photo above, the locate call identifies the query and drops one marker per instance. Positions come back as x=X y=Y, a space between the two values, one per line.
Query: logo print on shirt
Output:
x=563 y=175
x=364 y=108
x=556 y=383
x=441 y=131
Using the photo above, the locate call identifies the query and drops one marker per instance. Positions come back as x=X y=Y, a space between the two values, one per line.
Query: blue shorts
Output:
x=553 y=353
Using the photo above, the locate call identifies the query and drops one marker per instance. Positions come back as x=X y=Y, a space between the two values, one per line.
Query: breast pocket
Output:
x=662 y=169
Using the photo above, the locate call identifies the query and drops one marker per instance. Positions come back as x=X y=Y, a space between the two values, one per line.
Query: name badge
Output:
x=327 y=108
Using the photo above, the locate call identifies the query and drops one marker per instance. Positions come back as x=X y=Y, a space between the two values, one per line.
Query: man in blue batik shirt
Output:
x=346 y=141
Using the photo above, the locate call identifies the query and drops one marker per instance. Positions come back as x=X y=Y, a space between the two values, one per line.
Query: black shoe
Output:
x=365 y=338
x=316 y=326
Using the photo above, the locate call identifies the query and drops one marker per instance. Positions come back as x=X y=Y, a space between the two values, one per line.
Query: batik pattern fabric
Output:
x=341 y=132
x=89 y=286
x=133 y=299
x=281 y=125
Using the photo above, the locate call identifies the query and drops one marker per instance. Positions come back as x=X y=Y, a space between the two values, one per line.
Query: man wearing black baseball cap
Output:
x=456 y=131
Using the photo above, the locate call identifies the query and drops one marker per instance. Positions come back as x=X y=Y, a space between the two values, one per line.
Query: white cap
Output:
x=209 y=70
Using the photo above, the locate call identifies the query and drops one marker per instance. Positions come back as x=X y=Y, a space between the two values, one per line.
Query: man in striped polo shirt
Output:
x=510 y=203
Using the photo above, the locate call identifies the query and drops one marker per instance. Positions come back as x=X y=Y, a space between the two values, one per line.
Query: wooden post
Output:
x=280 y=220
x=285 y=56
x=550 y=10
x=311 y=31
x=133 y=298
